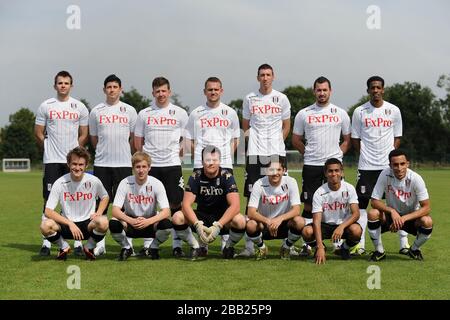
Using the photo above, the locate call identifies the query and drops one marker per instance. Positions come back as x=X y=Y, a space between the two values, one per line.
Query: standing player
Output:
x=335 y=213
x=61 y=125
x=111 y=128
x=140 y=195
x=266 y=116
x=215 y=192
x=321 y=126
x=76 y=192
x=274 y=211
x=407 y=206
x=376 y=130
x=159 y=132
x=214 y=124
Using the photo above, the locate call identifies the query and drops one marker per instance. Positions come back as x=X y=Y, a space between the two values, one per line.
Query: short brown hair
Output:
x=139 y=156
x=159 y=82
x=213 y=79
x=79 y=152
x=63 y=74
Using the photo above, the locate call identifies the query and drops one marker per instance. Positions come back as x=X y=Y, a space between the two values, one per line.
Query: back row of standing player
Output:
x=116 y=131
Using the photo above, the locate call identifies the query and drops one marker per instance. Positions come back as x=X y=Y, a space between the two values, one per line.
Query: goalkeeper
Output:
x=215 y=192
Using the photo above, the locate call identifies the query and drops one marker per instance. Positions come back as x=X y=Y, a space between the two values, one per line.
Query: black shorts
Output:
x=254 y=170
x=52 y=172
x=111 y=177
x=82 y=225
x=312 y=178
x=209 y=218
x=328 y=229
x=366 y=181
x=172 y=179
x=148 y=232
x=281 y=234
x=409 y=226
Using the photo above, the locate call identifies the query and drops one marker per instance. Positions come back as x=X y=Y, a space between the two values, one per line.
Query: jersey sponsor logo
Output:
x=210 y=191
x=62 y=115
x=334 y=206
x=104 y=119
x=275 y=199
x=265 y=109
x=378 y=122
x=214 y=122
x=325 y=118
x=161 y=121
x=140 y=198
x=399 y=194
x=77 y=196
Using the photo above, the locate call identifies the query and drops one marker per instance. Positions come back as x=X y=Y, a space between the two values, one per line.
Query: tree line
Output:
x=426 y=120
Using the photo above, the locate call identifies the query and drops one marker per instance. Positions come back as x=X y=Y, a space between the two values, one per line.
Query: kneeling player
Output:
x=139 y=195
x=335 y=213
x=407 y=206
x=77 y=193
x=215 y=192
x=274 y=211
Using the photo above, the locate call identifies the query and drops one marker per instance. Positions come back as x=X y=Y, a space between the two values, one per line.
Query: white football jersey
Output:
x=402 y=195
x=62 y=120
x=213 y=126
x=377 y=128
x=141 y=200
x=162 y=129
x=334 y=205
x=272 y=201
x=322 y=128
x=266 y=114
x=112 y=125
x=77 y=198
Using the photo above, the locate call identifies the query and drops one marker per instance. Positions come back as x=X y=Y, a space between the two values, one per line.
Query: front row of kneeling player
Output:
x=273 y=209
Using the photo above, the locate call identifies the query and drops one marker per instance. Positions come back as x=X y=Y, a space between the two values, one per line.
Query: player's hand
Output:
x=76 y=232
x=337 y=234
x=320 y=255
x=93 y=215
x=214 y=231
x=397 y=221
x=142 y=223
x=273 y=226
x=202 y=231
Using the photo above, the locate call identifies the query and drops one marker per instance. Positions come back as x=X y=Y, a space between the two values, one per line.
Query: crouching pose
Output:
x=215 y=192
x=140 y=195
x=77 y=193
x=335 y=213
x=274 y=211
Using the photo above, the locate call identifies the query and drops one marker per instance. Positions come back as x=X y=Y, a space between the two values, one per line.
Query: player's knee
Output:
x=101 y=223
x=238 y=222
x=115 y=226
x=298 y=223
x=178 y=218
x=308 y=233
x=164 y=224
x=426 y=222
x=373 y=214
x=174 y=208
x=355 y=231
x=47 y=227
x=251 y=226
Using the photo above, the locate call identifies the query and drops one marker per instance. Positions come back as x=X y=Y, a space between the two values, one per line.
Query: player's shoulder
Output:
x=364 y=107
x=177 y=109
x=347 y=185
x=196 y=174
x=98 y=107
x=252 y=95
x=226 y=174
x=48 y=102
x=323 y=190
x=199 y=110
x=413 y=176
x=154 y=181
x=226 y=107
x=388 y=105
x=126 y=108
x=146 y=111
x=63 y=180
x=75 y=103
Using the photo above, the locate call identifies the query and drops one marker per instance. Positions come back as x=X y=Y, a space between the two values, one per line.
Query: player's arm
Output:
x=234 y=145
x=245 y=128
x=397 y=220
x=181 y=152
x=102 y=205
x=83 y=135
x=346 y=143
x=186 y=207
x=94 y=141
x=339 y=231
x=277 y=221
x=233 y=208
x=61 y=220
x=253 y=214
x=424 y=210
x=144 y=223
x=131 y=141
x=297 y=143
x=356 y=144
x=138 y=143
x=286 y=127
x=39 y=135
x=317 y=229
x=121 y=216
x=397 y=142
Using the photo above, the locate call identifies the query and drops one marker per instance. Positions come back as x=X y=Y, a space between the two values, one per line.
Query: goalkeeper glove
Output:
x=214 y=231
x=201 y=231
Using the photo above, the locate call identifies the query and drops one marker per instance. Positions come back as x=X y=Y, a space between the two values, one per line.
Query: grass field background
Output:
x=26 y=275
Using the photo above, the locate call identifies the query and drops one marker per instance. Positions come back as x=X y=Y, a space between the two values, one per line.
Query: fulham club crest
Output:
x=73 y=105
x=284 y=187
x=123 y=109
x=149 y=188
x=344 y=194
x=408 y=183
x=172 y=112
x=333 y=110
x=224 y=112
x=387 y=111
x=275 y=99
x=87 y=185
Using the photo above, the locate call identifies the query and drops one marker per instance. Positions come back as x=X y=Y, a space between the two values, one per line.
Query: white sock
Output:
x=46 y=243
x=256 y=240
x=234 y=237
x=363 y=223
x=375 y=235
x=421 y=238
x=160 y=237
x=91 y=242
x=249 y=243
x=101 y=243
x=176 y=242
x=121 y=239
x=60 y=242
x=224 y=241
x=403 y=238
x=147 y=242
x=77 y=243
x=187 y=236
x=292 y=238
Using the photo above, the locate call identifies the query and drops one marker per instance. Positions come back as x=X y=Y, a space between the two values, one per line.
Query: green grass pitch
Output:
x=26 y=275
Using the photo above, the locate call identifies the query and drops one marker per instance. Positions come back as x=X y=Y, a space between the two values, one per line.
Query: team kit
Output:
x=138 y=174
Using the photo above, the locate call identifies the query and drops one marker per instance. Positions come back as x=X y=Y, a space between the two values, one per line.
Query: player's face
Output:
x=265 y=78
x=112 y=91
x=275 y=173
x=399 y=166
x=334 y=173
x=63 y=86
x=211 y=163
x=213 y=91
x=77 y=166
x=141 y=170
x=376 y=91
x=161 y=95
x=322 y=92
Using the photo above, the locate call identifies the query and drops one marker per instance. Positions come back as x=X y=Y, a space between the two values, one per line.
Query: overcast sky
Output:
x=190 y=40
